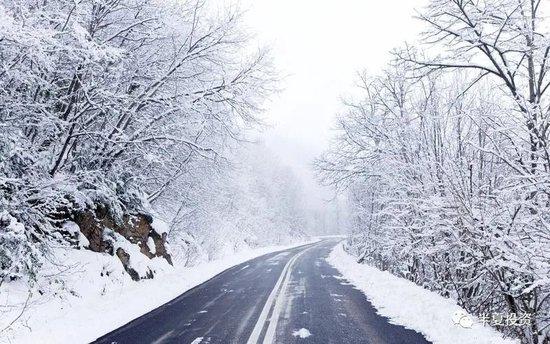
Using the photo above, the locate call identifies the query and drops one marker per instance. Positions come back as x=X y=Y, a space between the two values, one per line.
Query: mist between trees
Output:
x=445 y=160
x=132 y=112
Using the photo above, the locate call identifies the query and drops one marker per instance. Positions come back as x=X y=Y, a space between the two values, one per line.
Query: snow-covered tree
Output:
x=444 y=161
x=110 y=103
x=254 y=200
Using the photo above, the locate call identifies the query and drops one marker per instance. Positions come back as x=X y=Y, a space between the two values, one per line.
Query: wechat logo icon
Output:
x=463 y=319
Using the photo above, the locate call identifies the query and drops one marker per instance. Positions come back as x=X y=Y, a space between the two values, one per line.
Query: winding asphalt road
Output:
x=291 y=296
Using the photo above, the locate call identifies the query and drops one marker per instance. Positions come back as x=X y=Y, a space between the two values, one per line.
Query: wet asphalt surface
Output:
x=227 y=308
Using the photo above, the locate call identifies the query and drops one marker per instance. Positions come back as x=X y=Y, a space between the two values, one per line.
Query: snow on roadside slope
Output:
x=412 y=306
x=101 y=304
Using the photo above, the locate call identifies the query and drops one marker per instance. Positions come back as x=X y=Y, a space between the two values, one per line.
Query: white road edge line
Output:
x=273 y=296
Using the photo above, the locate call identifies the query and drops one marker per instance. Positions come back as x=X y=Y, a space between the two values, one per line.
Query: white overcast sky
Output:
x=320 y=45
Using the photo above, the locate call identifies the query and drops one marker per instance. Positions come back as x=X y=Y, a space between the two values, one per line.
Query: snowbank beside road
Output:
x=88 y=303
x=412 y=306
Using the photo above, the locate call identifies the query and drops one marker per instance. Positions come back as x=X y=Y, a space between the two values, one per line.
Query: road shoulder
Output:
x=100 y=305
x=412 y=306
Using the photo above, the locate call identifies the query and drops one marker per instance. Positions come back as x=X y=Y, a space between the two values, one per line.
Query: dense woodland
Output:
x=446 y=163
x=135 y=107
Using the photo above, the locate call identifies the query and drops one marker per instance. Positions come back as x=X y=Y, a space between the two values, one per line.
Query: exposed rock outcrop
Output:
x=97 y=226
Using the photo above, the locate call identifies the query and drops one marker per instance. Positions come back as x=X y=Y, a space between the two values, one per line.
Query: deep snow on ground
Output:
x=81 y=303
x=412 y=306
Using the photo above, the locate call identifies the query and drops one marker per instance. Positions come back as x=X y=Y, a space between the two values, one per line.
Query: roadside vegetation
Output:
x=444 y=158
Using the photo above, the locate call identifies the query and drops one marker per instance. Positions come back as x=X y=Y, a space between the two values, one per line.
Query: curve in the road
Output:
x=291 y=296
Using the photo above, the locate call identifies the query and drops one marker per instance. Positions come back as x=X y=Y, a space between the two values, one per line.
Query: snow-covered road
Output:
x=293 y=296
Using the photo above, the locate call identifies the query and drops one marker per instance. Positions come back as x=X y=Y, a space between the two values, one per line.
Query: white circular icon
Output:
x=463 y=319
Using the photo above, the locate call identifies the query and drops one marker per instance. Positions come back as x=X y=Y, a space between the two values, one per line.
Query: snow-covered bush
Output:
x=19 y=257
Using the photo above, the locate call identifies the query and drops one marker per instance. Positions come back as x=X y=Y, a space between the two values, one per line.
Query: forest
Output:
x=445 y=161
x=127 y=111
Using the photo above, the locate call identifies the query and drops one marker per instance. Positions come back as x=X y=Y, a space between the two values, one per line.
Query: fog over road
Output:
x=291 y=296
